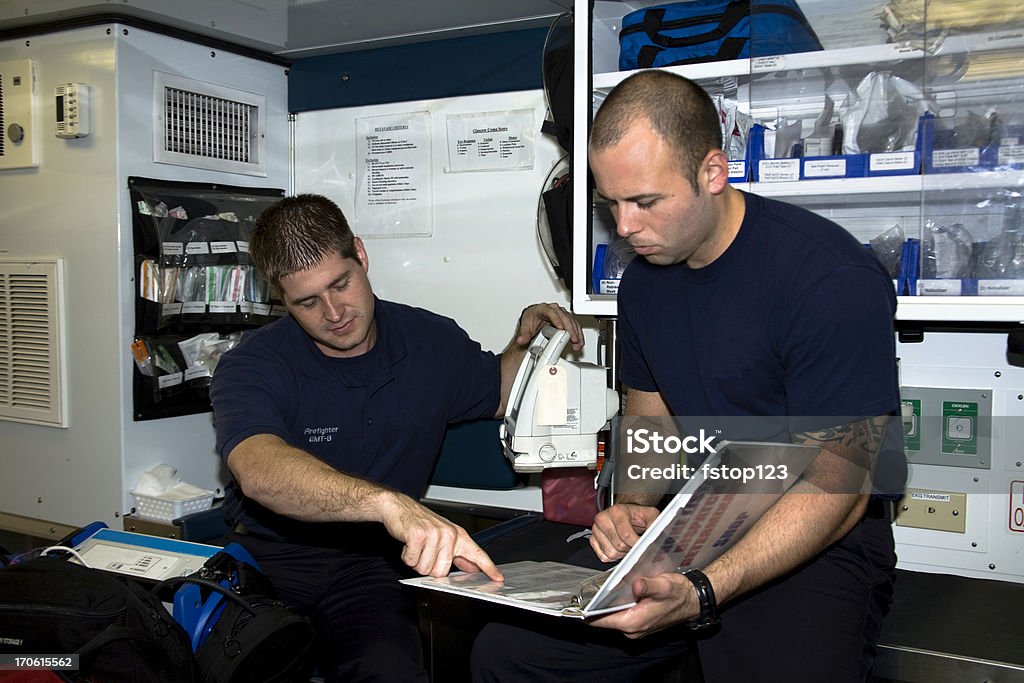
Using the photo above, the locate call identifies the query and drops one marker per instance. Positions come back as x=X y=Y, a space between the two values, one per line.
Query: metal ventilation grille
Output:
x=31 y=348
x=207 y=126
x=204 y=126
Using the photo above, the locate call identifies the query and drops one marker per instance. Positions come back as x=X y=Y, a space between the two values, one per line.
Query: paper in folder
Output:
x=707 y=517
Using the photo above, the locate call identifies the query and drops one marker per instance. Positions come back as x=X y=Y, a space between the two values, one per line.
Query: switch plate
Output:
x=936 y=510
x=950 y=426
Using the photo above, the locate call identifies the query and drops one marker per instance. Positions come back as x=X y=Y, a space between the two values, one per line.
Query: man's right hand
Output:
x=618 y=528
x=432 y=543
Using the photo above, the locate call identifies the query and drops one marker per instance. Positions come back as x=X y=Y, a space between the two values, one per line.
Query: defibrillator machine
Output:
x=556 y=408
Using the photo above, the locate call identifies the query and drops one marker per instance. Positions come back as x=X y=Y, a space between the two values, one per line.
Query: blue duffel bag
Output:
x=711 y=31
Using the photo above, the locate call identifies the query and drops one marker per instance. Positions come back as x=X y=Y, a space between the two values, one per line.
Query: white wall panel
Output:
x=992 y=545
x=483 y=262
x=75 y=205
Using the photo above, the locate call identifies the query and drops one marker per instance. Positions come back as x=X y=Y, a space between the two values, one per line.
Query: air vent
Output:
x=213 y=127
x=32 y=342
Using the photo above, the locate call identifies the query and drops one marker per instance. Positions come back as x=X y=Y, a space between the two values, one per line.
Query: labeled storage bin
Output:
x=838 y=166
x=957 y=144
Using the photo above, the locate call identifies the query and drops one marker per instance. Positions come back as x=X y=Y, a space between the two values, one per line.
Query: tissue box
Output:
x=167 y=509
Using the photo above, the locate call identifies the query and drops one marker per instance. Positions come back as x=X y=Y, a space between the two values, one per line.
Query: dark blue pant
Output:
x=817 y=624
x=366 y=622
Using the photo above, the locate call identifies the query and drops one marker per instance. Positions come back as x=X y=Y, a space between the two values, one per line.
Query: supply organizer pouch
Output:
x=194 y=279
x=192 y=256
x=712 y=30
x=120 y=631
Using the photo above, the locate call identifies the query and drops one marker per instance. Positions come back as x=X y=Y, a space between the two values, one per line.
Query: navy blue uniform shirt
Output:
x=794 y=319
x=381 y=416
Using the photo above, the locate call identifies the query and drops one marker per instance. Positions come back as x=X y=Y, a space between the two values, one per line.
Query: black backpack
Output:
x=120 y=631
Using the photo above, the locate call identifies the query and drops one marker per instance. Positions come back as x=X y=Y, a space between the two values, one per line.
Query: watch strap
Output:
x=708 y=617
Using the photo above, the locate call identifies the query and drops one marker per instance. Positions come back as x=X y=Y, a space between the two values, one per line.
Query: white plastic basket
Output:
x=167 y=509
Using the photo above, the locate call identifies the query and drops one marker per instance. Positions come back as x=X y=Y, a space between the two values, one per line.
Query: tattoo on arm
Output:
x=858 y=443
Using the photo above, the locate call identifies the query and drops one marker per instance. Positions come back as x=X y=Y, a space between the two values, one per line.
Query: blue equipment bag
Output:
x=239 y=632
x=711 y=31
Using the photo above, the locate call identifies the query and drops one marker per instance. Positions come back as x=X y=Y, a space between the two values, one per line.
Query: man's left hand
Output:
x=534 y=317
x=661 y=601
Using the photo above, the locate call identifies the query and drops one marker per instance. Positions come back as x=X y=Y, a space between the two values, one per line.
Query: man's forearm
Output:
x=798 y=527
x=819 y=510
x=295 y=484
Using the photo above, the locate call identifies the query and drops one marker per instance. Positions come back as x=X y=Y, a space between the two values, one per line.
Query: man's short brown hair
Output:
x=296 y=234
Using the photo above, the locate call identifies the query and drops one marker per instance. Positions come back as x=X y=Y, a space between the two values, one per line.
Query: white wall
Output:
x=483 y=262
x=992 y=545
x=68 y=207
x=75 y=205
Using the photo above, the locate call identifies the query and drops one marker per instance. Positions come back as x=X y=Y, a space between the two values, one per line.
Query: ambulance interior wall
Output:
x=75 y=205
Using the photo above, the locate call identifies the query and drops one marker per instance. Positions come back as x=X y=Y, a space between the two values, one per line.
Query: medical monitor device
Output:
x=556 y=408
x=141 y=556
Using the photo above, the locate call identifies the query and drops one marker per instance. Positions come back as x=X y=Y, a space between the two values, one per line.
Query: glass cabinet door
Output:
x=902 y=121
x=972 y=239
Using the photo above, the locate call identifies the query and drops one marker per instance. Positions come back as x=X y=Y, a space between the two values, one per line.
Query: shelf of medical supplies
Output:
x=792 y=85
x=708 y=71
x=956 y=308
x=834 y=186
x=600 y=305
x=909 y=308
x=966 y=183
x=873 y=55
x=980 y=180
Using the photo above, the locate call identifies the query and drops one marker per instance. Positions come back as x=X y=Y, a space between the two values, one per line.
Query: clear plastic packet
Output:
x=735 y=128
x=1003 y=256
x=788 y=134
x=887 y=247
x=945 y=251
x=883 y=114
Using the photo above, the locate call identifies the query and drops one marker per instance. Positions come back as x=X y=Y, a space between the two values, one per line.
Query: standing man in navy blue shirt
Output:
x=737 y=307
x=330 y=421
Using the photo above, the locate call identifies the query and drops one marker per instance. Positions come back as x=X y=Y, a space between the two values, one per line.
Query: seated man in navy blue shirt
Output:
x=751 y=312
x=330 y=421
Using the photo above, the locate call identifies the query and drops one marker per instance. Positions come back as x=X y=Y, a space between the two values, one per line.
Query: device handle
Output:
x=549 y=344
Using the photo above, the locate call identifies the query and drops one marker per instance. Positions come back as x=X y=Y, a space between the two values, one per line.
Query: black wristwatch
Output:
x=708 y=619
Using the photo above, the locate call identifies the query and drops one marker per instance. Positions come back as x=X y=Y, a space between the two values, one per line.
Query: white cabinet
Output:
x=959 y=200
